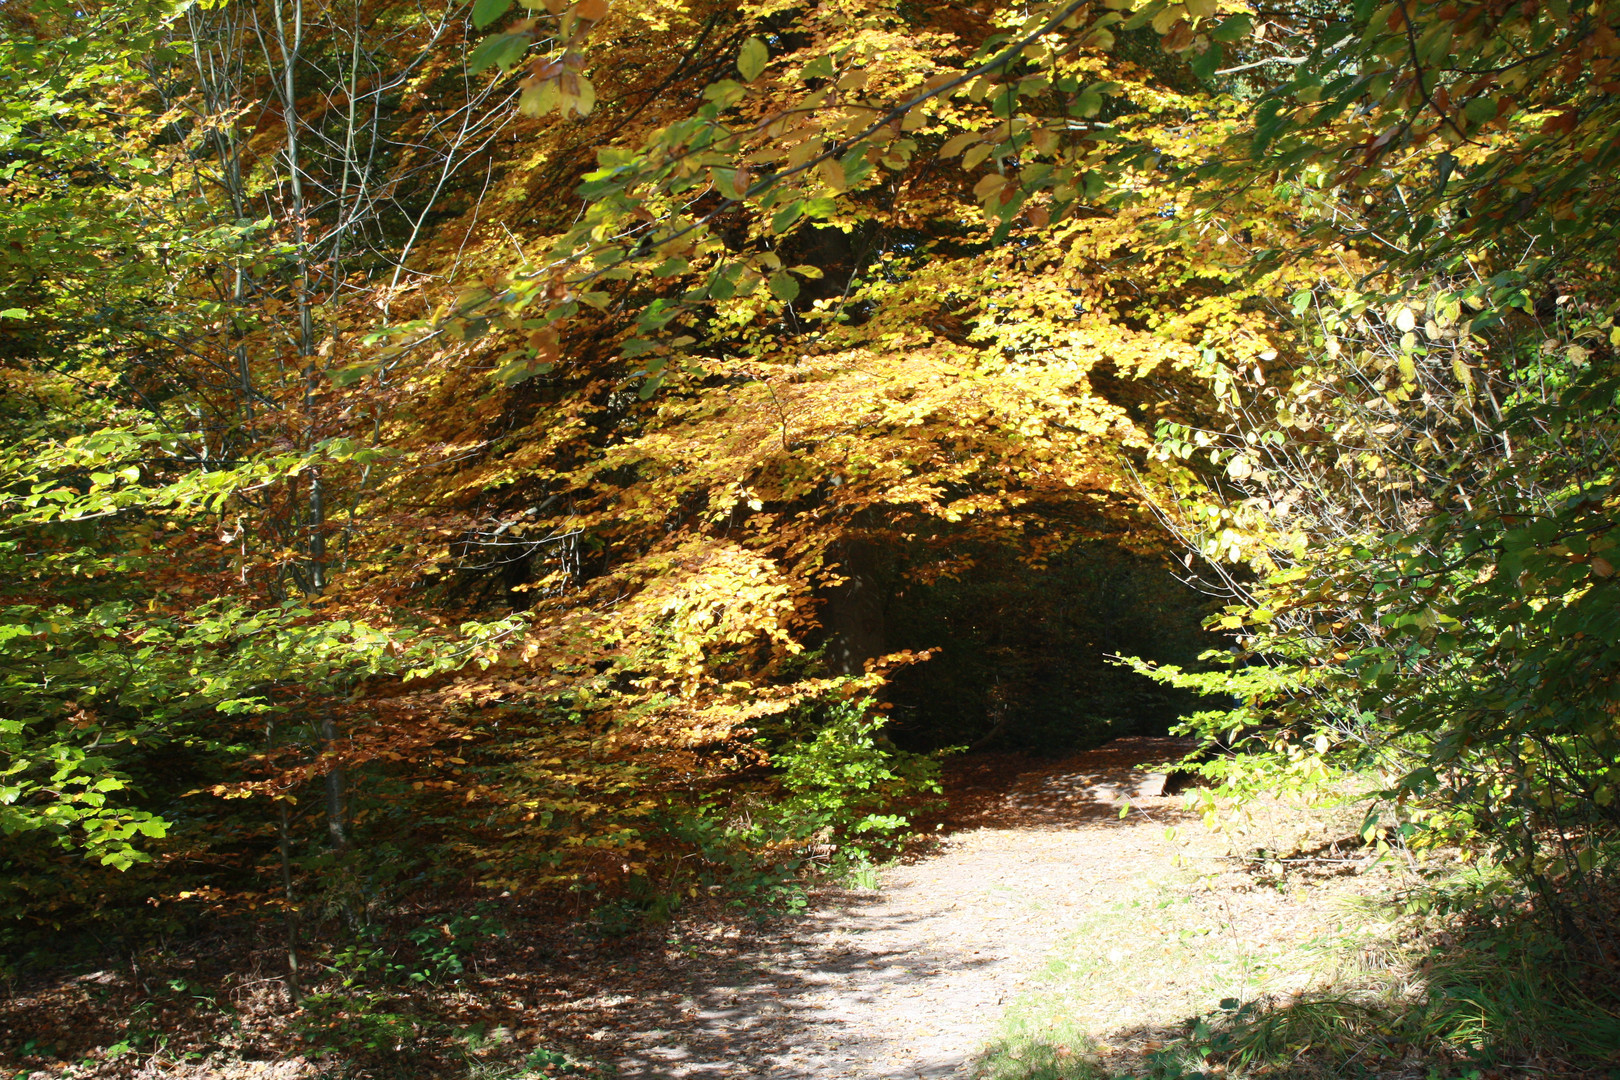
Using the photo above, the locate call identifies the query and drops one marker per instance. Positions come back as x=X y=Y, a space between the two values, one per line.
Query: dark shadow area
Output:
x=1021 y=650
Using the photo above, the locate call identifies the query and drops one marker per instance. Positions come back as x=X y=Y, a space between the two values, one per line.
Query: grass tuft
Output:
x=1039 y=1047
x=1477 y=995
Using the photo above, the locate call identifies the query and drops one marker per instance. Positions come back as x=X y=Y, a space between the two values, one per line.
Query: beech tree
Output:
x=617 y=346
x=1411 y=506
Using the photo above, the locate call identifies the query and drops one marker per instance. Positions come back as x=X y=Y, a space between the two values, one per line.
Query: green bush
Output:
x=847 y=782
x=354 y=1023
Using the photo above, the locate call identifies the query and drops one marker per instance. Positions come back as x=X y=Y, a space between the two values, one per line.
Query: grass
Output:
x=861 y=874
x=1322 y=967
x=1039 y=1044
x=1481 y=988
x=1451 y=1005
x=1151 y=956
x=1489 y=999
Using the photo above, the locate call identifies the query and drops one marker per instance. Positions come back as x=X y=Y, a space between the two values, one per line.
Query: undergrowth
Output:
x=1471 y=982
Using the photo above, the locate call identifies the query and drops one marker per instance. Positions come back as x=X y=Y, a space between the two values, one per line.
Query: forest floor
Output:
x=1042 y=925
x=1039 y=934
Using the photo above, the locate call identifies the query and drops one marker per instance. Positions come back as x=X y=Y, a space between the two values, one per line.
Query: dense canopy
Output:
x=611 y=447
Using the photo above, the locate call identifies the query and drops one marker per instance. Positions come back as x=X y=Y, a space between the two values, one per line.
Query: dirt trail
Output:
x=1042 y=930
x=1043 y=897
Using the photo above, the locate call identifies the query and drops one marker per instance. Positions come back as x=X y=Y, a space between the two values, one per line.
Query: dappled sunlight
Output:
x=911 y=980
x=1007 y=791
x=793 y=1005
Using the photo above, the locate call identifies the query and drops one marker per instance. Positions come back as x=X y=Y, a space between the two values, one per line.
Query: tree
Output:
x=1412 y=505
x=151 y=642
x=636 y=393
x=759 y=331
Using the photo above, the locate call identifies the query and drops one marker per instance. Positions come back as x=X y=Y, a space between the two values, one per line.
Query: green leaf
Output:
x=726 y=181
x=520 y=370
x=348 y=376
x=784 y=287
x=752 y=59
x=725 y=93
x=1480 y=110
x=485 y=12
x=14 y=313
x=1205 y=65
x=819 y=68
x=1232 y=29
x=502 y=51
x=785 y=217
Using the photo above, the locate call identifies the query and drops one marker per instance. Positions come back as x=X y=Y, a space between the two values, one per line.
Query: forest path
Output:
x=1044 y=919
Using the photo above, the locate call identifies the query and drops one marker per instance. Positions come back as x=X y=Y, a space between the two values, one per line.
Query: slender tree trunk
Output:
x=289 y=30
x=336 y=783
x=295 y=991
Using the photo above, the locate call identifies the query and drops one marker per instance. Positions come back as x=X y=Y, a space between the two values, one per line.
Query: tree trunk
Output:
x=295 y=991
x=853 y=612
x=336 y=783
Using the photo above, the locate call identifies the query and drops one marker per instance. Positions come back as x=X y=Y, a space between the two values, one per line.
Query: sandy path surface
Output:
x=912 y=980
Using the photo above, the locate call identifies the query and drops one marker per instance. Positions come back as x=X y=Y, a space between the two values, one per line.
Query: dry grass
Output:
x=1283 y=947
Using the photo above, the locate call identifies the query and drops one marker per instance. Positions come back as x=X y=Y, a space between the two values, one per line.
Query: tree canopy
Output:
x=549 y=441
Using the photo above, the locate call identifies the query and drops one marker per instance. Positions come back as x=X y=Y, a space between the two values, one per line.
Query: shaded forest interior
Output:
x=1021 y=655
